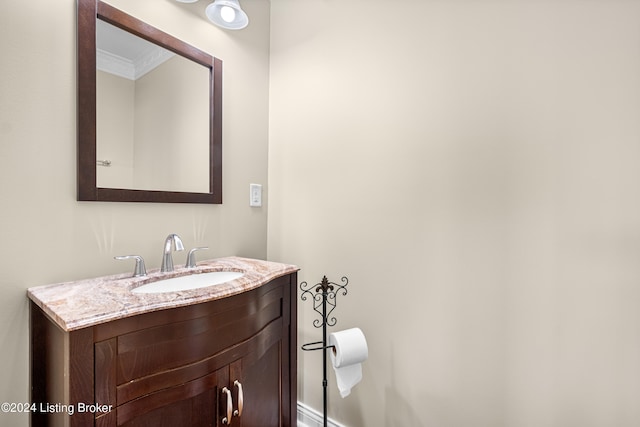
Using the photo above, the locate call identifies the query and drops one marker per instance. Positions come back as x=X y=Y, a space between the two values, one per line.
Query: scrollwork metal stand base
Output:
x=323 y=298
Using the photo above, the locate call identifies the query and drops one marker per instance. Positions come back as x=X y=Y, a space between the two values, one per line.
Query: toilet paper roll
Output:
x=349 y=351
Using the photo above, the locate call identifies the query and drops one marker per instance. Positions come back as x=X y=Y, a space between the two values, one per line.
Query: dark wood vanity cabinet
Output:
x=231 y=361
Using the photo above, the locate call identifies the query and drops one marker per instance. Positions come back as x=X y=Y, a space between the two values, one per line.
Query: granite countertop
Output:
x=84 y=303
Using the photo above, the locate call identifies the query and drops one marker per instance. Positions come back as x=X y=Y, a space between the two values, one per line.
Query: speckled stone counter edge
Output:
x=84 y=303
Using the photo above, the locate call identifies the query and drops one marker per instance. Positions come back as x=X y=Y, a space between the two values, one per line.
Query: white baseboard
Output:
x=309 y=417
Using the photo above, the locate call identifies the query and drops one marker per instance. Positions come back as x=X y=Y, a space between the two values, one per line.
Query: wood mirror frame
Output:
x=88 y=12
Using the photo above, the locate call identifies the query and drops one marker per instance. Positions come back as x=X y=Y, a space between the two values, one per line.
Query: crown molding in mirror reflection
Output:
x=89 y=11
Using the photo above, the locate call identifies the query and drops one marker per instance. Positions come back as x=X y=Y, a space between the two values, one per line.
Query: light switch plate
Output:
x=255 y=195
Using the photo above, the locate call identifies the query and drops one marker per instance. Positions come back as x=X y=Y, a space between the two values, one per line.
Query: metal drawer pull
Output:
x=227 y=420
x=238 y=412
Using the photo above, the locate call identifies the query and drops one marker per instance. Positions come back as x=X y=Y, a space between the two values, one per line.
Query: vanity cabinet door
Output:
x=195 y=411
x=256 y=382
x=193 y=404
x=260 y=378
x=175 y=403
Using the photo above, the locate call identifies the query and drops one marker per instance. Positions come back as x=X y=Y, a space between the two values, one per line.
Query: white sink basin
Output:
x=185 y=283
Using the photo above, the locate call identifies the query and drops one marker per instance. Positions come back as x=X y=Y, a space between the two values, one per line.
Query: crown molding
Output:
x=128 y=69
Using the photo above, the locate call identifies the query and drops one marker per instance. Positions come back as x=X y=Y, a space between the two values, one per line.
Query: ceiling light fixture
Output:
x=225 y=13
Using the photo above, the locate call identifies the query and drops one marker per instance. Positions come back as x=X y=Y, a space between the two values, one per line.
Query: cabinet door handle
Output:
x=227 y=420
x=238 y=412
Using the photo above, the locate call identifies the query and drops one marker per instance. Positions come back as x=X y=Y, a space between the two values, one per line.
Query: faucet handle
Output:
x=191 y=257
x=140 y=269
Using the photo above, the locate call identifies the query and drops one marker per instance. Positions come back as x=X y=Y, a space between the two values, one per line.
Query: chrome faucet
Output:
x=167 y=259
x=191 y=257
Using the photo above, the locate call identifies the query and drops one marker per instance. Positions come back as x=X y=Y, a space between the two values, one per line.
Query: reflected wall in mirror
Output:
x=149 y=112
x=152 y=121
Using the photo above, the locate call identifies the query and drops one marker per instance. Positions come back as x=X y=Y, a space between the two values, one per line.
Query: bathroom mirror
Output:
x=149 y=113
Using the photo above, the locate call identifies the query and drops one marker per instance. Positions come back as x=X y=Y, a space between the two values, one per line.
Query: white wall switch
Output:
x=255 y=195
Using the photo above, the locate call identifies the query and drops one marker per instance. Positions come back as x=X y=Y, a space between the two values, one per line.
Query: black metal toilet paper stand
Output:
x=324 y=296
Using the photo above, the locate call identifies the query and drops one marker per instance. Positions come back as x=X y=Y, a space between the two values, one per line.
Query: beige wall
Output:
x=192 y=131
x=472 y=167
x=47 y=236
x=115 y=103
